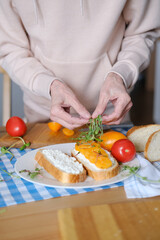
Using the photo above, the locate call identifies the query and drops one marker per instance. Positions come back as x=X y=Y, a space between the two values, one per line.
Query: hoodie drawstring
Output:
x=82 y=7
x=35 y=10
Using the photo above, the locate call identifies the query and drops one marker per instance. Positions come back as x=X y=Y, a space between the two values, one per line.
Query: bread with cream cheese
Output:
x=95 y=172
x=64 y=168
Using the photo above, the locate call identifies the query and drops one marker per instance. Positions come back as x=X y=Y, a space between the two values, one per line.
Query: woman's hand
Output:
x=63 y=98
x=113 y=90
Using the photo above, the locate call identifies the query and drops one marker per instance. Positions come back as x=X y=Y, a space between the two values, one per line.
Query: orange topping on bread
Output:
x=95 y=154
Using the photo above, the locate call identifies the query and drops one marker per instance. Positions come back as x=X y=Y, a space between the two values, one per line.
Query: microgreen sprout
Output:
x=133 y=170
x=32 y=174
x=5 y=150
x=95 y=130
x=11 y=174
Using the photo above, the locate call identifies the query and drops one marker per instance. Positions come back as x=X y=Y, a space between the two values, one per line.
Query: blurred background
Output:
x=145 y=95
x=16 y=100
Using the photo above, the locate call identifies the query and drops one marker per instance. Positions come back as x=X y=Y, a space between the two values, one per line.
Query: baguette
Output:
x=64 y=168
x=139 y=135
x=95 y=172
x=152 y=148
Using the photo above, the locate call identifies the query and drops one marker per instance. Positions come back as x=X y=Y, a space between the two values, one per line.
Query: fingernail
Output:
x=87 y=115
x=94 y=115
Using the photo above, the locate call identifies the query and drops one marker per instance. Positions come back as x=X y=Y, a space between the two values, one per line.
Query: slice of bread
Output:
x=95 y=172
x=139 y=135
x=64 y=168
x=152 y=148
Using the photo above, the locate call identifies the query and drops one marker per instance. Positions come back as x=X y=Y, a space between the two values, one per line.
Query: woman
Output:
x=76 y=56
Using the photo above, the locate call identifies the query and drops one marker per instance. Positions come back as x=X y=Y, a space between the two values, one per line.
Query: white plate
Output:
x=28 y=162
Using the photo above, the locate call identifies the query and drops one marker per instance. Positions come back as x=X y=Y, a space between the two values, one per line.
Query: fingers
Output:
x=62 y=99
x=113 y=90
x=61 y=94
x=80 y=109
x=101 y=106
x=119 y=113
x=59 y=115
x=65 y=124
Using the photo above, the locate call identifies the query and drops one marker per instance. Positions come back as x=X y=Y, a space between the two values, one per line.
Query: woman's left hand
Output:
x=113 y=90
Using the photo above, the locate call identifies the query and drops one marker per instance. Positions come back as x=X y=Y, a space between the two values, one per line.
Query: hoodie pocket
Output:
x=84 y=78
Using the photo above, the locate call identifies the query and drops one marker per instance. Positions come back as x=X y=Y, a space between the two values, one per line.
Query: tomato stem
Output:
x=5 y=150
x=20 y=139
x=12 y=145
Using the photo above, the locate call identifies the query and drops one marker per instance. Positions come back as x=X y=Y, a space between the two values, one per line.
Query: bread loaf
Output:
x=152 y=148
x=139 y=135
x=64 y=168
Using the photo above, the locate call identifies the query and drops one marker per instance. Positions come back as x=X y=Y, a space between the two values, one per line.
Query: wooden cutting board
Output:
x=39 y=135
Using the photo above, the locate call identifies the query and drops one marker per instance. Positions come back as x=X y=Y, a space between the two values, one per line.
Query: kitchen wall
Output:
x=16 y=100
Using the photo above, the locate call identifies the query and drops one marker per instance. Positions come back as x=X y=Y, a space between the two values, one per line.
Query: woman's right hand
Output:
x=62 y=98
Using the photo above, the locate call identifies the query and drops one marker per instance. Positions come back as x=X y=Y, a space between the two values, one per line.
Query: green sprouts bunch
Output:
x=95 y=130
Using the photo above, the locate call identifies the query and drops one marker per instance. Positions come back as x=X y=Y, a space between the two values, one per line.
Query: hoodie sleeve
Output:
x=16 y=56
x=142 y=20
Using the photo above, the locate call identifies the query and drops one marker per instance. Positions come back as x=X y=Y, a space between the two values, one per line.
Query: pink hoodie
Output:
x=79 y=42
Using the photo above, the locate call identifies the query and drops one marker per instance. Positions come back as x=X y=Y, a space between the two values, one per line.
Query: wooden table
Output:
x=100 y=215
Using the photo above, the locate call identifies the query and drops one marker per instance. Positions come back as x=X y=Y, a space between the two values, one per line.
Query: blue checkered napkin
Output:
x=16 y=190
x=136 y=187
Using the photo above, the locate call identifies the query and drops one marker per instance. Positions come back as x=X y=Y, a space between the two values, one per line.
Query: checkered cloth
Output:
x=15 y=190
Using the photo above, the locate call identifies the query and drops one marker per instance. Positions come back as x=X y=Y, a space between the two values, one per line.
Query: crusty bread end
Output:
x=139 y=135
x=152 y=148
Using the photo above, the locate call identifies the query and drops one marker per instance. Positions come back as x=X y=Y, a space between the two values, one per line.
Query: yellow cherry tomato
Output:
x=68 y=132
x=109 y=138
x=54 y=126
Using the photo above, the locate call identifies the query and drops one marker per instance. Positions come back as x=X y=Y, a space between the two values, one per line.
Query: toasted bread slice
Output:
x=64 y=168
x=152 y=148
x=95 y=172
x=139 y=135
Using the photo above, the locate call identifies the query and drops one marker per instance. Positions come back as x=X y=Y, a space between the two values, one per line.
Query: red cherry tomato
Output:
x=123 y=150
x=16 y=127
